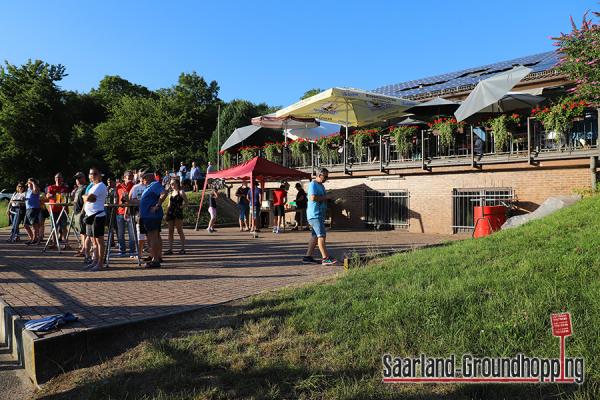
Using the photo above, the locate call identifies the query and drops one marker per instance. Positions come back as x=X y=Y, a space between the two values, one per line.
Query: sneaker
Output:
x=94 y=268
x=208 y=230
x=87 y=260
x=329 y=261
x=132 y=256
x=308 y=260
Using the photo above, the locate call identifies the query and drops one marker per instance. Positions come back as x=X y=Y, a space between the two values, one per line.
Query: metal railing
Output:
x=387 y=209
x=465 y=200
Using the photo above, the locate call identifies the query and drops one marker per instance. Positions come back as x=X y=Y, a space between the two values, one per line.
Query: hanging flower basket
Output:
x=403 y=138
x=560 y=116
x=445 y=128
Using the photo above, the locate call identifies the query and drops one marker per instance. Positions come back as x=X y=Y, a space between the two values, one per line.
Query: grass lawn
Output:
x=3 y=216
x=491 y=296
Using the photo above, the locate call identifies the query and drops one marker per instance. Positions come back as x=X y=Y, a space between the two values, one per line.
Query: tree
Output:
x=235 y=114
x=580 y=58
x=112 y=87
x=34 y=131
x=310 y=93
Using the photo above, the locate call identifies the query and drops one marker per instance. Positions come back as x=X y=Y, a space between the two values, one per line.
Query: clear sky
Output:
x=273 y=51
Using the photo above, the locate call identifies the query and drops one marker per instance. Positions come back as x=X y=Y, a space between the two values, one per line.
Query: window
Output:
x=464 y=200
x=386 y=209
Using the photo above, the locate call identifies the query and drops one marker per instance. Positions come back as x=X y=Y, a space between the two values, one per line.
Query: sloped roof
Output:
x=468 y=77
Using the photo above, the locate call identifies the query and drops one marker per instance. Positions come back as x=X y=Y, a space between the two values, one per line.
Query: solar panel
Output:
x=537 y=62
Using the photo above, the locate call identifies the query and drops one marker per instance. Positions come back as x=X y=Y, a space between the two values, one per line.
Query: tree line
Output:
x=116 y=126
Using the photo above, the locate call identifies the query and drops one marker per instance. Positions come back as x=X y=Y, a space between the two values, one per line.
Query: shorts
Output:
x=279 y=211
x=61 y=222
x=243 y=208
x=317 y=227
x=32 y=216
x=141 y=232
x=151 y=224
x=96 y=229
x=213 y=212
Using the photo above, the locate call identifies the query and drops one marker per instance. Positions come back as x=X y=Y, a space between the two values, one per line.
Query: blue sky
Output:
x=273 y=51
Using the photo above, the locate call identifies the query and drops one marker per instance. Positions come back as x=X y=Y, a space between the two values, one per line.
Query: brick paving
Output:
x=218 y=267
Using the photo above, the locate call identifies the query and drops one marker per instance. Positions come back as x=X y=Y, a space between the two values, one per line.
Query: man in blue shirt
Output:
x=151 y=214
x=315 y=213
x=195 y=175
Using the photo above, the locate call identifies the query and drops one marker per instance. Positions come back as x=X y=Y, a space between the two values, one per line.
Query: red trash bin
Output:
x=488 y=219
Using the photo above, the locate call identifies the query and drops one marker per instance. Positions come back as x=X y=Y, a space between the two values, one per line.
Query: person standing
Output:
x=301 y=204
x=317 y=208
x=182 y=172
x=279 y=200
x=123 y=218
x=95 y=217
x=254 y=196
x=54 y=194
x=32 y=211
x=135 y=194
x=212 y=210
x=14 y=213
x=177 y=201
x=111 y=220
x=242 y=196
x=151 y=214
x=79 y=215
x=195 y=175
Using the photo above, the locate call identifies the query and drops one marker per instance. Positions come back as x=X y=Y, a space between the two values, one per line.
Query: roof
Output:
x=467 y=78
x=259 y=168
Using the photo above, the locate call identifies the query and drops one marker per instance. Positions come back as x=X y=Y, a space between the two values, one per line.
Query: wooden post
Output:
x=593 y=164
x=472 y=149
x=380 y=153
x=529 y=160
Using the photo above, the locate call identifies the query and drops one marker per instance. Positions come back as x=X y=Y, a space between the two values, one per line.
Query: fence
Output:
x=387 y=209
x=464 y=201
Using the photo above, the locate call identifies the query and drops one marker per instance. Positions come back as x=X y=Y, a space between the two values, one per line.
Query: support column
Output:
x=381 y=153
x=593 y=167
x=472 y=149
x=529 y=160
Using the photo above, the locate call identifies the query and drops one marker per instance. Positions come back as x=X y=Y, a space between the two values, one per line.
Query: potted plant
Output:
x=361 y=138
x=272 y=150
x=328 y=147
x=299 y=148
x=248 y=152
x=226 y=156
x=559 y=117
x=402 y=136
x=445 y=129
x=501 y=127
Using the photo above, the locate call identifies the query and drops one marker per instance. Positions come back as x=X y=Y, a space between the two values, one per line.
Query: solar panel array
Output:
x=537 y=62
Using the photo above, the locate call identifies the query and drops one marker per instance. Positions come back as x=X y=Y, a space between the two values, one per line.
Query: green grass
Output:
x=490 y=296
x=3 y=216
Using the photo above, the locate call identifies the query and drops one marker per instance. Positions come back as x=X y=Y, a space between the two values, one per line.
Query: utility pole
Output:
x=219 y=137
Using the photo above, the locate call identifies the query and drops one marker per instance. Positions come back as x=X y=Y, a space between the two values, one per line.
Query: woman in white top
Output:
x=95 y=217
x=13 y=211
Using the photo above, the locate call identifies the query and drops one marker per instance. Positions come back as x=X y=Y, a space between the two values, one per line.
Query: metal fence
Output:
x=387 y=209
x=464 y=201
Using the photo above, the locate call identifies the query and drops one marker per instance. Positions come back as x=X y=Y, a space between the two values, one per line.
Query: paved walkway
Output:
x=218 y=267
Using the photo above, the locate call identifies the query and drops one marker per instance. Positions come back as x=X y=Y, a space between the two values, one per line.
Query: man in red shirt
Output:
x=57 y=194
x=279 y=200
x=123 y=190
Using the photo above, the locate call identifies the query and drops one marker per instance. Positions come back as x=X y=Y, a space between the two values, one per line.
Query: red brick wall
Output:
x=431 y=193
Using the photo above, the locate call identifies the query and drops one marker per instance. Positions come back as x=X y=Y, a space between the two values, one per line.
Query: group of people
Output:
x=312 y=205
x=136 y=202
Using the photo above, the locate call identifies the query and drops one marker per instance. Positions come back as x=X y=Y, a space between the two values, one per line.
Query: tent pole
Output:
x=201 y=201
x=218 y=137
x=472 y=149
x=346 y=140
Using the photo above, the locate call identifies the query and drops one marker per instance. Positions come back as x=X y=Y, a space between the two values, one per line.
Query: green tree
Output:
x=34 y=130
x=310 y=93
x=235 y=114
x=112 y=87
x=580 y=58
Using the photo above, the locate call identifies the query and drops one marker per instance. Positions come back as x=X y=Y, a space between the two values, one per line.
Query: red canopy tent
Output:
x=256 y=169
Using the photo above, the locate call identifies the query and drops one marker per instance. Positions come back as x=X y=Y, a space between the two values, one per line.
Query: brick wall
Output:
x=431 y=193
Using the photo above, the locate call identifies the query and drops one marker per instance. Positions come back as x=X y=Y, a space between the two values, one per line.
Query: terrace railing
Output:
x=527 y=142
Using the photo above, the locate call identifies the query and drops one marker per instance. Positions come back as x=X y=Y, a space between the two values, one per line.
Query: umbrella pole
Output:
x=346 y=141
x=284 y=155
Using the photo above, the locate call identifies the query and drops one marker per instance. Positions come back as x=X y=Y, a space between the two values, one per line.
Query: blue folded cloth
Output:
x=48 y=323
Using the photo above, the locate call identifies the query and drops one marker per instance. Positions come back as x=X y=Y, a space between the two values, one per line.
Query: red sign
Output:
x=561 y=324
